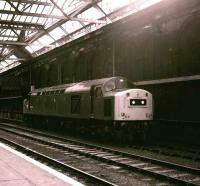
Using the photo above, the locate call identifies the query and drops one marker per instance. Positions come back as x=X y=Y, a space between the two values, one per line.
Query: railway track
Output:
x=177 y=151
x=121 y=166
x=183 y=154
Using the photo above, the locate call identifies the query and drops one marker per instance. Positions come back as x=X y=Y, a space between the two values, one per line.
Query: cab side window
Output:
x=98 y=92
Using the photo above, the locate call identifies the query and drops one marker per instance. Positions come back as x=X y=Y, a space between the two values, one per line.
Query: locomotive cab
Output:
x=123 y=102
x=103 y=97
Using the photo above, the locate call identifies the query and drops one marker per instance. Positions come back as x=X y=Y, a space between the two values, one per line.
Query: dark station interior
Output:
x=156 y=48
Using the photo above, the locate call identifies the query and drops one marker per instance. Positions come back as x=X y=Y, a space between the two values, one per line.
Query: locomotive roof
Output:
x=57 y=87
x=76 y=87
x=85 y=86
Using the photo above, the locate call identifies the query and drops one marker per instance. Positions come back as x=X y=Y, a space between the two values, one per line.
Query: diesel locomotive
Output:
x=108 y=105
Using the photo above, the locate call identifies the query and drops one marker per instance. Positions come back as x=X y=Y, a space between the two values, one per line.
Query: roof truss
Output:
x=29 y=27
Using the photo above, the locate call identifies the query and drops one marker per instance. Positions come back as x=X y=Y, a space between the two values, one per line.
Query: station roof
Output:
x=29 y=28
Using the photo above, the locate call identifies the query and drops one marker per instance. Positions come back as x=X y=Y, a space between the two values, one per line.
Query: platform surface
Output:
x=16 y=169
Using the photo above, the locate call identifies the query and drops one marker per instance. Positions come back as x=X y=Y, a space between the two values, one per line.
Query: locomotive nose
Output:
x=137 y=105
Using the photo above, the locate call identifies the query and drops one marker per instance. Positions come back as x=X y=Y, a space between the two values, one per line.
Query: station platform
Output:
x=19 y=169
